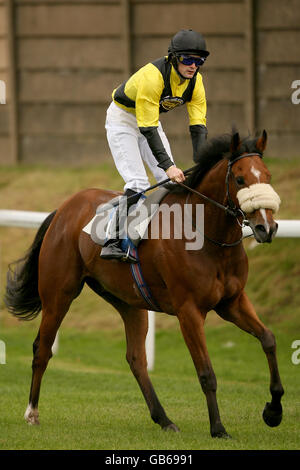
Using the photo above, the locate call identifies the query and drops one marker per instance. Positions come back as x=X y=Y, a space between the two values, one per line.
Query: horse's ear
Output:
x=235 y=142
x=262 y=142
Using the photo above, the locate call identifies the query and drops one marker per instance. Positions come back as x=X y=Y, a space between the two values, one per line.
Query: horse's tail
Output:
x=22 y=296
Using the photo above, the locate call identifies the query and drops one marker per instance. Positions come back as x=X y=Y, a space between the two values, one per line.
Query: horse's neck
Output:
x=218 y=225
x=213 y=184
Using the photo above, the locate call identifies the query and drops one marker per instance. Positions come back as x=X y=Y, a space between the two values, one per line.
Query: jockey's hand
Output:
x=175 y=174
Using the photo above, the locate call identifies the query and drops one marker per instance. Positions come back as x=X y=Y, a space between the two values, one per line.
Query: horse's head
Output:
x=251 y=184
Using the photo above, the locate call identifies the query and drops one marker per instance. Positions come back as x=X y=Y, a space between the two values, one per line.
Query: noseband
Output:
x=231 y=208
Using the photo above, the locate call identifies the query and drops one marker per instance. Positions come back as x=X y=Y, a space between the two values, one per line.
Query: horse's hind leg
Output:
x=56 y=299
x=136 y=327
x=242 y=313
x=41 y=355
x=31 y=413
x=42 y=352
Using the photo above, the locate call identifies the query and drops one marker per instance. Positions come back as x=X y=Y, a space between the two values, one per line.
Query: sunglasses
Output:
x=188 y=60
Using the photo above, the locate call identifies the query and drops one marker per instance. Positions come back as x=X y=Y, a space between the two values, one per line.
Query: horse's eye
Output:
x=240 y=180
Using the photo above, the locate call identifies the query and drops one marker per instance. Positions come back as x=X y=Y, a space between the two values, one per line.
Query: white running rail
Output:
x=29 y=219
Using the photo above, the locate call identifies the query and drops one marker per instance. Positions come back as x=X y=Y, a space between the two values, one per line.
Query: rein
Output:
x=231 y=208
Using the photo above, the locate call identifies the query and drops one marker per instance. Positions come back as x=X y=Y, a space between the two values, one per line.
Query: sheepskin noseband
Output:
x=258 y=196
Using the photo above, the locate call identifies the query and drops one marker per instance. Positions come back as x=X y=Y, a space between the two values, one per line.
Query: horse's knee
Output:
x=268 y=341
x=208 y=381
x=136 y=362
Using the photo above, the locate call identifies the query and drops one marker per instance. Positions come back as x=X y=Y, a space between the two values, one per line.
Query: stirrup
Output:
x=128 y=258
x=119 y=256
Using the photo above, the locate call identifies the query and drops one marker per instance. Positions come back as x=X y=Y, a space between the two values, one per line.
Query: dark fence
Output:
x=61 y=59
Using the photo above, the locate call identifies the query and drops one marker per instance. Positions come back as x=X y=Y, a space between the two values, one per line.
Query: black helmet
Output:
x=187 y=41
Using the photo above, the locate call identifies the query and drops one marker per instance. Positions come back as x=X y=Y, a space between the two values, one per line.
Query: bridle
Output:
x=231 y=209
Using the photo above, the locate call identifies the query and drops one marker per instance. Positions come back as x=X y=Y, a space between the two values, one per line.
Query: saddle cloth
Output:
x=99 y=228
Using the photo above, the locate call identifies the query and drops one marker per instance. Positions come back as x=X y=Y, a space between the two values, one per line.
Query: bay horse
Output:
x=187 y=284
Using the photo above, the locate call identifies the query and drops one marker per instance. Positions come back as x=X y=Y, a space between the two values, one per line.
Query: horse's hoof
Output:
x=272 y=417
x=222 y=435
x=32 y=420
x=31 y=416
x=171 y=427
x=219 y=431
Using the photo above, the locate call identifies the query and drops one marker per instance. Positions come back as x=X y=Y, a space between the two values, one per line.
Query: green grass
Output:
x=273 y=283
x=90 y=400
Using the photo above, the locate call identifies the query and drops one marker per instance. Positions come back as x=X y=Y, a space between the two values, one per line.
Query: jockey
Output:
x=134 y=132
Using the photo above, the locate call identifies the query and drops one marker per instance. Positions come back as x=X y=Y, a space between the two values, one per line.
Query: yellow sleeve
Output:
x=197 y=106
x=149 y=90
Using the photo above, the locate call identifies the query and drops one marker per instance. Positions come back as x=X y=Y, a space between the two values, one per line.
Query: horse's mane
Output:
x=212 y=151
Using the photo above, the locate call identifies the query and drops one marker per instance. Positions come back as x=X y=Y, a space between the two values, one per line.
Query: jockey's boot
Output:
x=112 y=248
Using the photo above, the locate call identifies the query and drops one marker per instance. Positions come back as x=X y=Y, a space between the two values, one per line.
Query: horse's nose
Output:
x=261 y=233
x=274 y=229
x=266 y=233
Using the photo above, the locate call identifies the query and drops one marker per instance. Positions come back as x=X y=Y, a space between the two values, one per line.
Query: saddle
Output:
x=99 y=228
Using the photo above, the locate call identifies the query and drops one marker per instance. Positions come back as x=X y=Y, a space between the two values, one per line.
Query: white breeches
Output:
x=130 y=149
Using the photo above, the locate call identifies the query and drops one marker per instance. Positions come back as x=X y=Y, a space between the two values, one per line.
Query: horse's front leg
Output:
x=242 y=313
x=192 y=327
x=136 y=327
